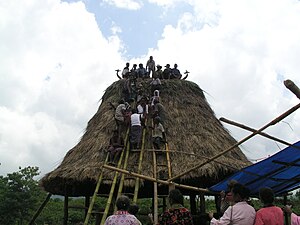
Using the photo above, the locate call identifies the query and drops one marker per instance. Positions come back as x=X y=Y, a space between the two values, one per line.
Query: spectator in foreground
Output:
x=122 y=216
x=269 y=214
x=177 y=213
x=241 y=213
x=295 y=220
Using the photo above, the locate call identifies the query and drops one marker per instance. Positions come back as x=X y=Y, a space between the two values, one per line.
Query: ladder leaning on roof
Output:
x=165 y=164
x=121 y=183
x=95 y=195
x=124 y=165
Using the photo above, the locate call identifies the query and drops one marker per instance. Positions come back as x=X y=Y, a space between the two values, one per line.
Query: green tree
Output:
x=19 y=196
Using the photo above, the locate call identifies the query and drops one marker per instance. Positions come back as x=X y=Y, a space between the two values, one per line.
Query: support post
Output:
x=86 y=205
x=40 y=209
x=193 y=204
x=66 y=204
x=286 y=217
x=202 y=203
x=218 y=204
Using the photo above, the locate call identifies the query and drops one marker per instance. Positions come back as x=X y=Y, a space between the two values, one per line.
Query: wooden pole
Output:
x=66 y=214
x=86 y=204
x=158 y=180
x=286 y=217
x=37 y=213
x=155 y=199
x=193 y=204
x=273 y=122
x=292 y=87
x=253 y=130
x=202 y=203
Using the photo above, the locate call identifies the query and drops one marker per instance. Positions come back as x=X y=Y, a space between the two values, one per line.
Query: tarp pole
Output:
x=253 y=130
x=157 y=180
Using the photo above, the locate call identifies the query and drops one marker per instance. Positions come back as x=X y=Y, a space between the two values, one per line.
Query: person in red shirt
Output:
x=269 y=214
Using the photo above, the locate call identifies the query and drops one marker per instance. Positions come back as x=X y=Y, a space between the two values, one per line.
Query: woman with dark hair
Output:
x=176 y=214
x=122 y=216
x=269 y=214
x=241 y=213
x=226 y=197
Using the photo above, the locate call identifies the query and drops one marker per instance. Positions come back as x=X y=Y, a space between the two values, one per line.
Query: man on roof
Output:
x=150 y=66
x=159 y=136
x=125 y=71
x=141 y=71
x=159 y=72
x=175 y=73
x=167 y=72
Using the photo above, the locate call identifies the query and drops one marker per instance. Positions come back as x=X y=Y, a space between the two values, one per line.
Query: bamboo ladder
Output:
x=121 y=183
x=136 y=187
x=167 y=164
x=95 y=195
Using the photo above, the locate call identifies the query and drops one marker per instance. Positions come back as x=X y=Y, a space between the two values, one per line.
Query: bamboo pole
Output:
x=253 y=130
x=292 y=87
x=37 y=213
x=273 y=122
x=155 y=205
x=165 y=182
x=112 y=189
x=121 y=183
x=169 y=161
x=137 y=181
x=89 y=212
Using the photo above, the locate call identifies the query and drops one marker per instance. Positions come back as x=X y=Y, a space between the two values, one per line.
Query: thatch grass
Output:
x=191 y=127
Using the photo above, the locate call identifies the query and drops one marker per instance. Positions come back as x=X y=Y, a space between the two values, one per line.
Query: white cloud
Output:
x=54 y=66
x=240 y=52
x=125 y=4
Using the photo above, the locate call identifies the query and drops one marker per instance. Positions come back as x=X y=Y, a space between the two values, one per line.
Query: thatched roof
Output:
x=193 y=132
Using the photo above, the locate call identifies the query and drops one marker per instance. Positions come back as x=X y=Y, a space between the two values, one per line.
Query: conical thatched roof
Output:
x=193 y=132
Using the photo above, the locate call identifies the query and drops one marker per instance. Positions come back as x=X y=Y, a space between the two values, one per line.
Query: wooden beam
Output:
x=254 y=130
x=288 y=164
x=273 y=122
x=292 y=87
x=158 y=180
x=266 y=176
x=37 y=213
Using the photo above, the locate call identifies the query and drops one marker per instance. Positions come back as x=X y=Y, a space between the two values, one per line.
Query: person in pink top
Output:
x=269 y=214
x=241 y=213
x=295 y=220
x=122 y=216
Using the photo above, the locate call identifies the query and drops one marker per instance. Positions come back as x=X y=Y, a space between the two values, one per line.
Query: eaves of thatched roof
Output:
x=193 y=132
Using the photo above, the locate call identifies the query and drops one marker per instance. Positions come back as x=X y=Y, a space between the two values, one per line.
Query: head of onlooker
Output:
x=240 y=193
x=123 y=203
x=266 y=196
x=175 y=197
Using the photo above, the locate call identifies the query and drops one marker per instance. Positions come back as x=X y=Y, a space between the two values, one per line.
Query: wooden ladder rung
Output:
x=102 y=195
x=97 y=212
x=128 y=194
x=162 y=196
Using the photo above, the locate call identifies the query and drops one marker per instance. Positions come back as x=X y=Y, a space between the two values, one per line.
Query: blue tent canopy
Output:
x=281 y=172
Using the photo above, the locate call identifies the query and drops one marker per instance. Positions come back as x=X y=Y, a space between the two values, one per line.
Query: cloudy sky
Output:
x=57 y=58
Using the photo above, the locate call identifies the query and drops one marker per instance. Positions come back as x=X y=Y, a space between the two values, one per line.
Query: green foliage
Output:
x=19 y=195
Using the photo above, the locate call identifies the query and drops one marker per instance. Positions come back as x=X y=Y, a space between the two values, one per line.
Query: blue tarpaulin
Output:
x=281 y=172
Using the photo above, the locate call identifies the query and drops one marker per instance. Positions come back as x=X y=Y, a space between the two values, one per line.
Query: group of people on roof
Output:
x=151 y=70
x=139 y=108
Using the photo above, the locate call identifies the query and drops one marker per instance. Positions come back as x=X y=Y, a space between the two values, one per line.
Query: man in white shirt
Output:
x=136 y=130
